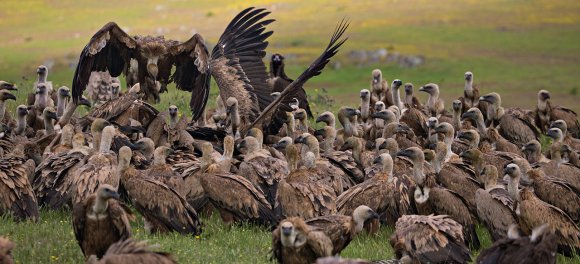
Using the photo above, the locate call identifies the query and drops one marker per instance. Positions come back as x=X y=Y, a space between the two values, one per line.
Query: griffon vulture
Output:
x=131 y=251
x=295 y=242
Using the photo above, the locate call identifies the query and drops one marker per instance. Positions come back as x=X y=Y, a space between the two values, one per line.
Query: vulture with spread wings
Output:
x=235 y=63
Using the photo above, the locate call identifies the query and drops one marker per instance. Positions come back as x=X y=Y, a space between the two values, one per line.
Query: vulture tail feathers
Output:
x=314 y=70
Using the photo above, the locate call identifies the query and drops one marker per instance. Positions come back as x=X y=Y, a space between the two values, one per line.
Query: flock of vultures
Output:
x=431 y=173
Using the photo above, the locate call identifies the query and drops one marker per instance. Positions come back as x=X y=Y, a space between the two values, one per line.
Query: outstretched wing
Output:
x=314 y=70
x=236 y=61
x=110 y=49
x=192 y=74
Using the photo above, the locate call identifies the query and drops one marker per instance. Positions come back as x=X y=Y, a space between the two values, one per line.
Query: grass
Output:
x=513 y=47
x=52 y=240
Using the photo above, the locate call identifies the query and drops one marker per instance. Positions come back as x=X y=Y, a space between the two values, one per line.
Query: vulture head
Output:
x=362 y=214
x=307 y=139
x=6 y=247
x=106 y=192
x=402 y=128
x=457 y=105
x=277 y=65
x=429 y=153
x=326 y=132
x=63 y=92
x=309 y=160
x=21 y=110
x=153 y=52
x=391 y=145
x=160 y=155
x=387 y=115
x=408 y=88
x=556 y=134
x=275 y=95
x=489 y=176
x=492 y=98
x=67 y=134
x=377 y=76
x=468 y=76
x=41 y=69
x=430 y=88
x=543 y=95
x=248 y=145
x=471 y=136
x=49 y=113
x=347 y=112
x=8 y=86
x=386 y=161
x=41 y=89
x=300 y=114
x=173 y=111
x=532 y=147
x=283 y=143
x=415 y=154
x=446 y=129
x=566 y=150
x=257 y=133
x=395 y=109
x=512 y=170
x=6 y=95
x=471 y=155
x=78 y=141
x=561 y=124
x=291 y=235
x=396 y=84
x=379 y=106
x=432 y=122
x=365 y=95
x=473 y=114
x=294 y=104
x=146 y=146
x=231 y=105
x=98 y=125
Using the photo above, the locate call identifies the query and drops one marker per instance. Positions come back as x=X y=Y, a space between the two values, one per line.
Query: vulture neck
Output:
x=328 y=143
x=477 y=163
x=332 y=121
x=41 y=100
x=68 y=113
x=448 y=142
x=365 y=108
x=418 y=172
x=159 y=160
x=433 y=137
x=106 y=141
x=481 y=125
x=48 y=126
x=235 y=119
x=100 y=206
x=409 y=99
x=357 y=153
x=172 y=121
x=456 y=120
x=20 y=124
x=2 y=109
x=302 y=125
x=290 y=126
x=358 y=224
x=314 y=148
x=512 y=187
x=555 y=153
x=433 y=97
x=542 y=105
x=42 y=77
x=60 y=105
x=437 y=162
x=469 y=92
x=397 y=98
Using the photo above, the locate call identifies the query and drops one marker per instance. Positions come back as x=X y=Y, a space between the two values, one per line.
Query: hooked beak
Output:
x=383 y=145
x=319 y=132
x=405 y=153
x=377 y=160
x=380 y=115
x=300 y=139
x=322 y=118
x=286 y=231
x=85 y=102
x=52 y=115
x=10 y=96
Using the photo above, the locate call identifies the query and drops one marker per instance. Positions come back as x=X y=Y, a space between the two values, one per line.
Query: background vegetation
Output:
x=515 y=47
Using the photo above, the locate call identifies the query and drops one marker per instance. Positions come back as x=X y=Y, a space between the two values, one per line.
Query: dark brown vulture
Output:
x=131 y=251
x=235 y=63
x=16 y=195
x=163 y=212
x=429 y=239
x=294 y=242
x=279 y=80
x=540 y=247
x=100 y=221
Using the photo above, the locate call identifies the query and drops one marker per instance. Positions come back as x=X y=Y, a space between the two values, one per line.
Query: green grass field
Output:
x=514 y=47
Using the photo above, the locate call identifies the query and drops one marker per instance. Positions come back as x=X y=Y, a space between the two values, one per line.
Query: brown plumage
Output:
x=383 y=193
x=131 y=251
x=6 y=247
x=415 y=119
x=341 y=159
x=478 y=159
x=100 y=168
x=101 y=220
x=380 y=89
x=556 y=192
x=411 y=101
x=500 y=143
x=434 y=106
x=279 y=81
x=429 y=239
x=260 y=168
x=534 y=212
x=5 y=117
x=163 y=212
x=326 y=172
x=163 y=172
x=539 y=247
x=16 y=196
x=295 y=242
x=545 y=113
x=342 y=229
x=431 y=198
x=494 y=205
x=514 y=125
x=246 y=203
x=568 y=138
x=299 y=194
x=53 y=178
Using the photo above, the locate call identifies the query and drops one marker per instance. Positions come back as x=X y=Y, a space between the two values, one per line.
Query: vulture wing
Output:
x=110 y=49
x=314 y=70
x=192 y=74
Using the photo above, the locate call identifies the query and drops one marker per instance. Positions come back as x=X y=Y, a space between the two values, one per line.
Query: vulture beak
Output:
x=115 y=195
x=377 y=160
x=319 y=132
x=439 y=129
x=506 y=171
x=423 y=89
x=398 y=82
x=136 y=146
x=376 y=79
x=545 y=96
x=280 y=145
x=322 y=118
x=463 y=135
x=9 y=96
x=383 y=145
x=487 y=98
x=10 y=87
x=170 y=151
x=344 y=147
x=402 y=129
x=463 y=154
x=467 y=115
x=381 y=115
x=300 y=139
x=374 y=215
x=52 y=115
x=66 y=93
x=405 y=153
x=242 y=144
x=85 y=102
